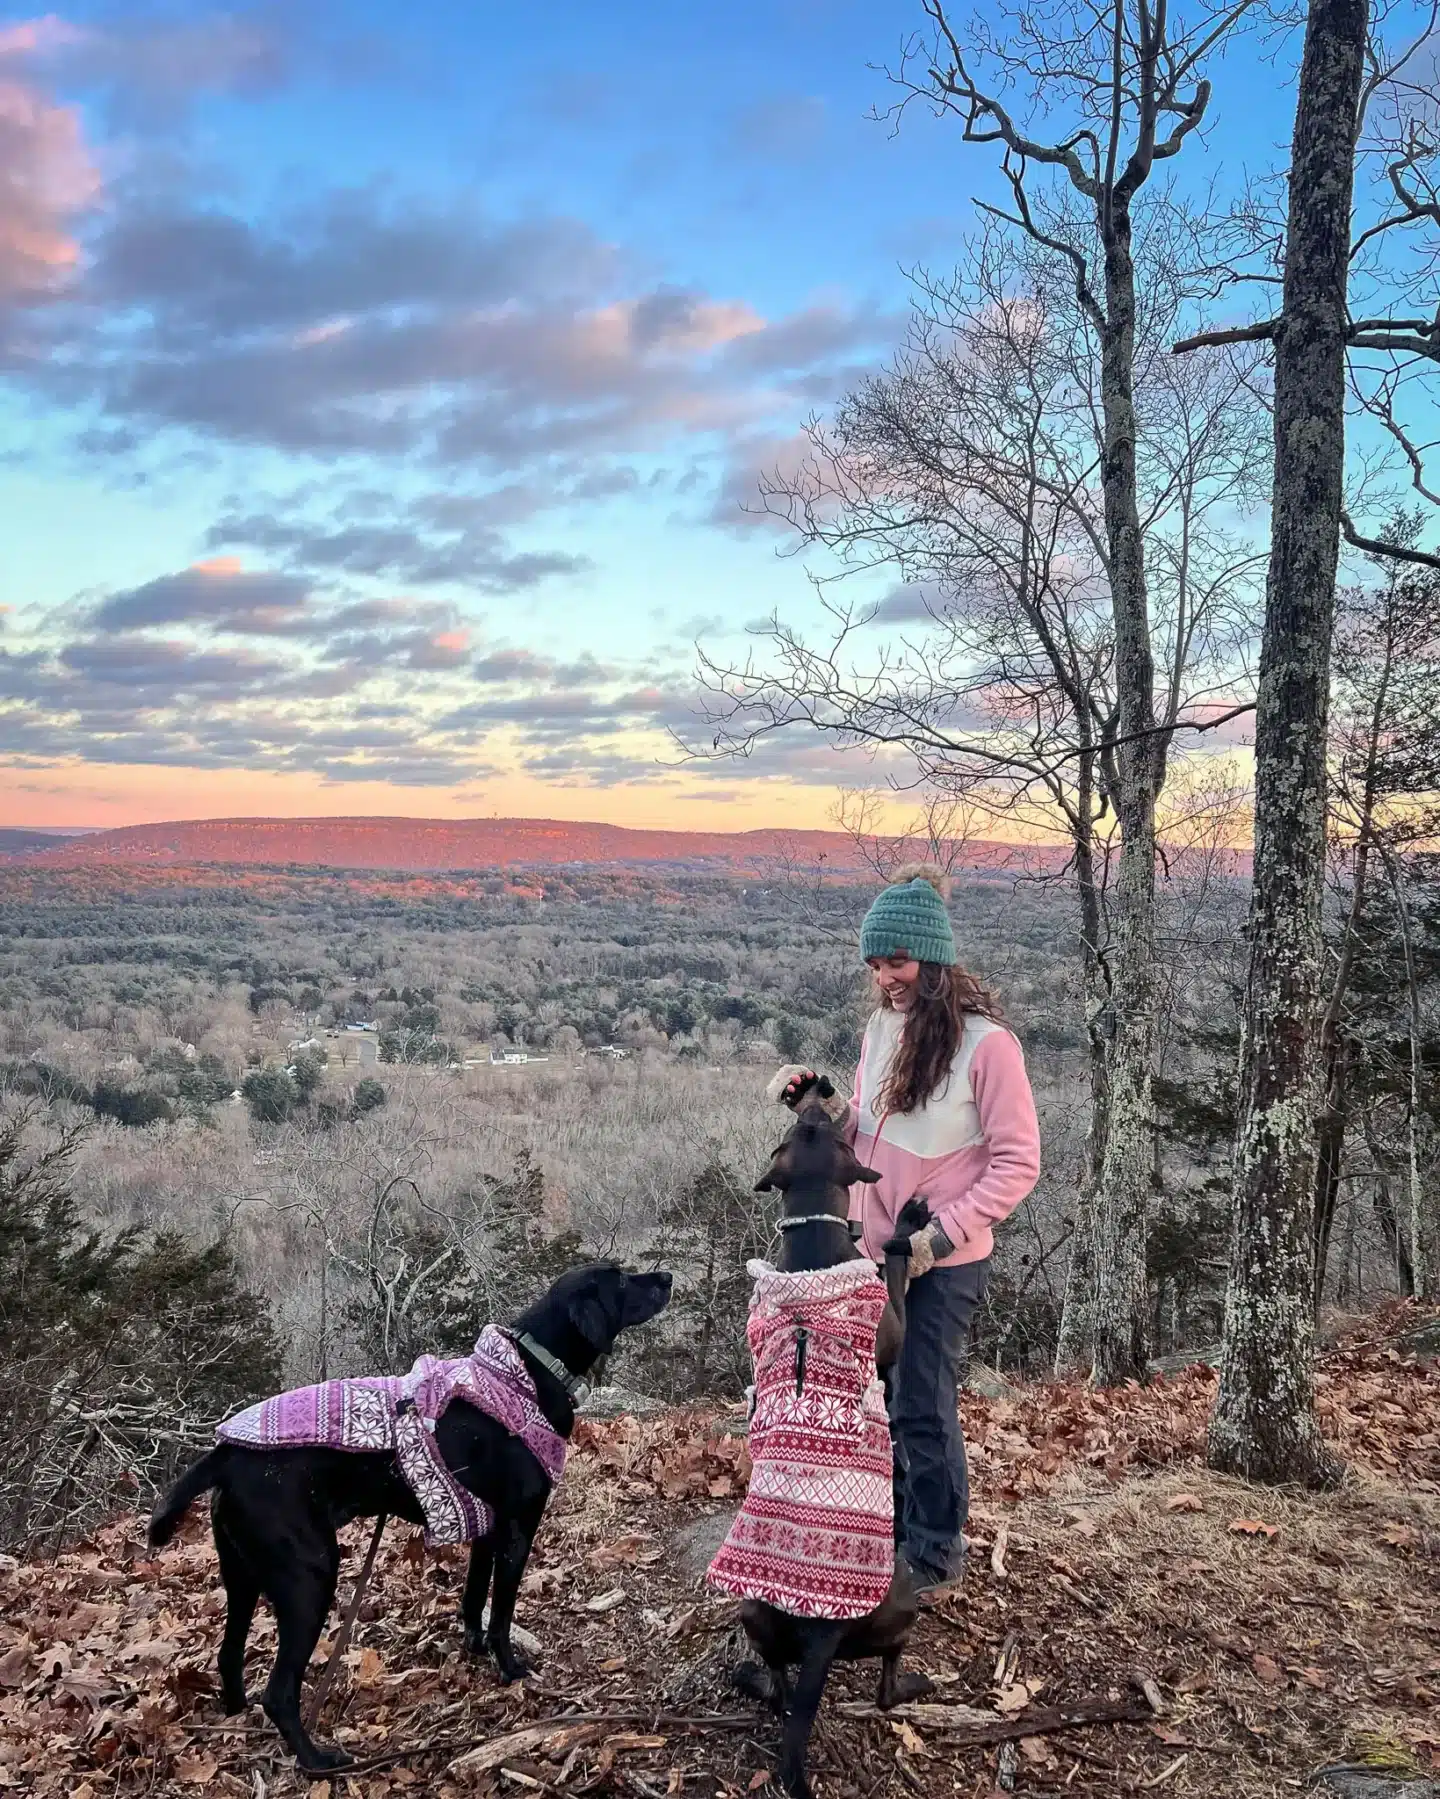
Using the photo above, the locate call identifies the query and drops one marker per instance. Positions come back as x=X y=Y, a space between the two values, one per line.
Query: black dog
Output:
x=814 y=1168
x=276 y=1511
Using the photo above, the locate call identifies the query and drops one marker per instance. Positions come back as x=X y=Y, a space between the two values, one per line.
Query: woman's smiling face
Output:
x=895 y=976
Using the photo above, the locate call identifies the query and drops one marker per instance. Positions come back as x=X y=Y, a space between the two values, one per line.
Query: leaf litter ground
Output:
x=1278 y=1631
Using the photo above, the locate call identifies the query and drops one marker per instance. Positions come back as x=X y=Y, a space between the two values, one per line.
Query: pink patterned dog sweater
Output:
x=815 y=1535
x=399 y=1413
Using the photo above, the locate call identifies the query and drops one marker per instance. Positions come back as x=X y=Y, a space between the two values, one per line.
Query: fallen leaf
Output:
x=623 y=1552
x=1254 y=1527
x=200 y=1770
x=1267 y=1669
x=1314 y=1677
x=757 y=1780
x=1012 y=1699
x=910 y=1738
x=89 y=1685
x=1184 y=1502
x=13 y=1665
x=150 y=1649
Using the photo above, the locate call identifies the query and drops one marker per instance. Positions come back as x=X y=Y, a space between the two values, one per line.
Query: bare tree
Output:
x=974 y=467
x=1126 y=79
x=1264 y=1425
x=1384 y=770
x=1354 y=97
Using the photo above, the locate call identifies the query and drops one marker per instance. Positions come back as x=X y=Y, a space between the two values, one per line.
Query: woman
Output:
x=942 y=1108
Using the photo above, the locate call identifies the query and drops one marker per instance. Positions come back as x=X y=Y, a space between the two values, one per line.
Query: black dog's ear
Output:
x=592 y=1319
x=776 y=1177
x=850 y=1170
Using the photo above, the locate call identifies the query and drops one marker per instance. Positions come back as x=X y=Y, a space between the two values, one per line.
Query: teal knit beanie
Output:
x=909 y=917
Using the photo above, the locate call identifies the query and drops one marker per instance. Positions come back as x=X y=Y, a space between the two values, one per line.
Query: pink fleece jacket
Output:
x=972 y=1150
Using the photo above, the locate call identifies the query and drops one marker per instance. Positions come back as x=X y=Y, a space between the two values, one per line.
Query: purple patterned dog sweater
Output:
x=399 y=1412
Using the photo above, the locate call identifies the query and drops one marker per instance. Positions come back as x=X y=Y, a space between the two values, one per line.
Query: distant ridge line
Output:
x=432 y=845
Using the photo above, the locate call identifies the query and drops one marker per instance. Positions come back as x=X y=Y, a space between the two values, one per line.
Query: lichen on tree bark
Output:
x=1265 y=1425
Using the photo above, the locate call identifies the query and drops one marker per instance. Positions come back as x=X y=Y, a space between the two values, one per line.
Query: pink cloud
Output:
x=47 y=178
x=38 y=37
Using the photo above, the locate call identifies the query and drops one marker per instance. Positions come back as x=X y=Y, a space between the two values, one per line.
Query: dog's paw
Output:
x=232 y=1704
x=512 y=1664
x=909 y=1686
x=755 y=1680
x=795 y=1782
x=323 y=1758
x=475 y=1640
x=914 y=1216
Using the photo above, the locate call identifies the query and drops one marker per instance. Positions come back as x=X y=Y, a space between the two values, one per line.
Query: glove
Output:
x=794 y=1083
x=926 y=1247
x=789 y=1084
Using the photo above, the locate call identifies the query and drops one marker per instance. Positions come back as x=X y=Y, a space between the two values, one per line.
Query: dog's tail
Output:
x=192 y=1483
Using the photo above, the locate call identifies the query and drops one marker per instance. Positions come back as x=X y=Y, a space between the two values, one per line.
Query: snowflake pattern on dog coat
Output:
x=815 y=1536
x=399 y=1413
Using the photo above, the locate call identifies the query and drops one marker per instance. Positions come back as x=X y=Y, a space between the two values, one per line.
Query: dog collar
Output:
x=552 y=1364
x=793 y=1224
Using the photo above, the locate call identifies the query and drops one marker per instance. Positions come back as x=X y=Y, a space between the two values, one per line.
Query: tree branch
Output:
x=1376 y=546
x=1238 y=334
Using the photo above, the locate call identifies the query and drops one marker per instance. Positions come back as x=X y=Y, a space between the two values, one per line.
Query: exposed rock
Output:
x=617 y=1402
x=697 y=1543
x=1208 y=1353
x=989 y=1382
x=1424 y=1340
x=1350 y=1781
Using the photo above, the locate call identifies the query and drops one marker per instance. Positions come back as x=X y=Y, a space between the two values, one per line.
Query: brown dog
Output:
x=814 y=1169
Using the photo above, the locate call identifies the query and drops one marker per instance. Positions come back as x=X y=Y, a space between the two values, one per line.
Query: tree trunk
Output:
x=1424 y=1227
x=1075 y=1349
x=1122 y=1201
x=1385 y=1214
x=1264 y=1425
x=1330 y=1148
x=1336 y=1050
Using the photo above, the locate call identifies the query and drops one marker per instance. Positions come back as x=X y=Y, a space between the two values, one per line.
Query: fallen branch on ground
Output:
x=969 y=1732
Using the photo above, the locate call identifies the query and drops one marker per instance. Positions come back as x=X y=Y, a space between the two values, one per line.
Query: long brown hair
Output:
x=933 y=1025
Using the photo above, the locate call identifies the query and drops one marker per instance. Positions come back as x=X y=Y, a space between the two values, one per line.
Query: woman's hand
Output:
x=925 y=1247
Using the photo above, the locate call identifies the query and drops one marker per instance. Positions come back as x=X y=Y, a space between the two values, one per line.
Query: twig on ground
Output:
x=347 y=1624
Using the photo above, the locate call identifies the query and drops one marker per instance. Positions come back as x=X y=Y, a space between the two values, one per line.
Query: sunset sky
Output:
x=381 y=386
